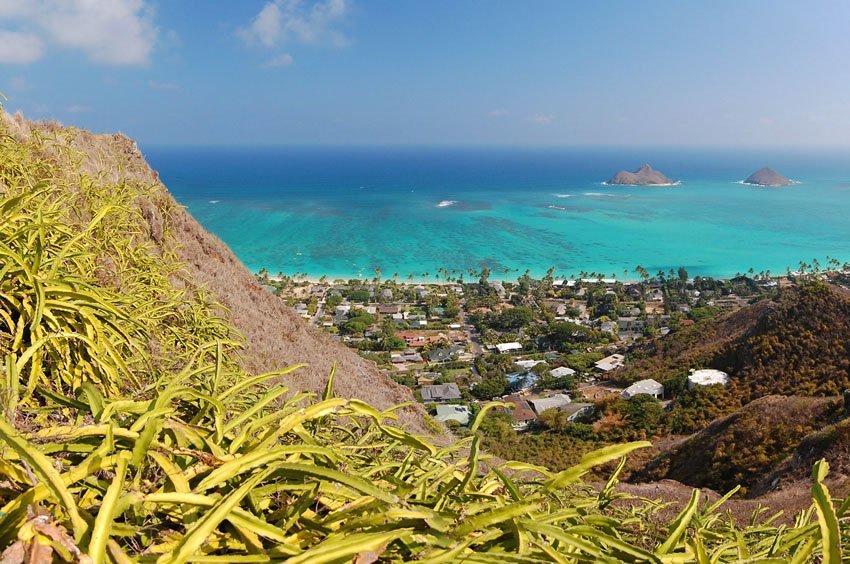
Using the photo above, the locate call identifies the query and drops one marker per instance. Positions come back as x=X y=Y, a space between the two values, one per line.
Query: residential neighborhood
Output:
x=534 y=344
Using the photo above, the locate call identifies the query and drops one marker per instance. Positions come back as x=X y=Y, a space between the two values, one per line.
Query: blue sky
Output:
x=719 y=72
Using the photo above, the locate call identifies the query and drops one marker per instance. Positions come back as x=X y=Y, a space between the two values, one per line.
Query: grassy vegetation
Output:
x=742 y=448
x=128 y=431
x=793 y=344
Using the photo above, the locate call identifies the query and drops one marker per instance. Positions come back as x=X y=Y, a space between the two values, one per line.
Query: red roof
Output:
x=522 y=412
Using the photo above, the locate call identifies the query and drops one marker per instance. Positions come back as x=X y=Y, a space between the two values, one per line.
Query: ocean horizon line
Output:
x=721 y=147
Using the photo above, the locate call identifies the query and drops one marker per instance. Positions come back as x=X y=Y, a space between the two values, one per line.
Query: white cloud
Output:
x=281 y=21
x=112 y=32
x=498 y=112
x=542 y=119
x=78 y=109
x=20 y=48
x=267 y=25
x=280 y=61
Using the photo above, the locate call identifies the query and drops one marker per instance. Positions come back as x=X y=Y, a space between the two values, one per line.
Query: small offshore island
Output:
x=768 y=178
x=644 y=176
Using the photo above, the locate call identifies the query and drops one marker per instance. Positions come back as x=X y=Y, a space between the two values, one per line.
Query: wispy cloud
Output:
x=542 y=119
x=498 y=112
x=111 y=32
x=78 y=109
x=20 y=48
x=280 y=61
x=156 y=85
x=281 y=21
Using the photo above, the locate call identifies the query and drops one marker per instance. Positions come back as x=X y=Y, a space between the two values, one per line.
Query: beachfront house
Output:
x=707 y=377
x=649 y=387
x=508 y=347
x=440 y=393
x=499 y=289
x=459 y=413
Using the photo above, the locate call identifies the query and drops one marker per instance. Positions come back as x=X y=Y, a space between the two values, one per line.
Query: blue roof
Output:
x=522 y=380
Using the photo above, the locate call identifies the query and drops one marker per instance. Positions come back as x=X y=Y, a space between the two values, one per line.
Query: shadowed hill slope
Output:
x=275 y=336
x=743 y=447
x=831 y=443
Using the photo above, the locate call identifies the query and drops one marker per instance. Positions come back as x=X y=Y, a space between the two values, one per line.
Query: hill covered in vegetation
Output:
x=742 y=448
x=136 y=424
x=797 y=343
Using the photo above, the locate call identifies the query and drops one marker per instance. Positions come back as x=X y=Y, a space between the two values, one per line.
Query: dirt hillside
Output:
x=275 y=336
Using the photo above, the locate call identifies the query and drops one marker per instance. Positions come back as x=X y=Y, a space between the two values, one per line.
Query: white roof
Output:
x=505 y=347
x=707 y=377
x=610 y=362
x=459 y=413
x=562 y=371
x=649 y=386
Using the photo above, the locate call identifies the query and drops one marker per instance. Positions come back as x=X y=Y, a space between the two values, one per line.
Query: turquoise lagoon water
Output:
x=344 y=212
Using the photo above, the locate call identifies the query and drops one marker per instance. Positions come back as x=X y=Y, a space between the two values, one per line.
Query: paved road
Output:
x=474 y=343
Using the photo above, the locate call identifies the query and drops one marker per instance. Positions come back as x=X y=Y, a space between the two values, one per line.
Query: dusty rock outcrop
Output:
x=766 y=176
x=644 y=176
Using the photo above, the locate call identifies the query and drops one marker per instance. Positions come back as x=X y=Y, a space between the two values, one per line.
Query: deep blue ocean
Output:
x=343 y=212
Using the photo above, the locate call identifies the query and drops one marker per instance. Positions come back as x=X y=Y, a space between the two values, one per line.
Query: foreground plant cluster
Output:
x=128 y=433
